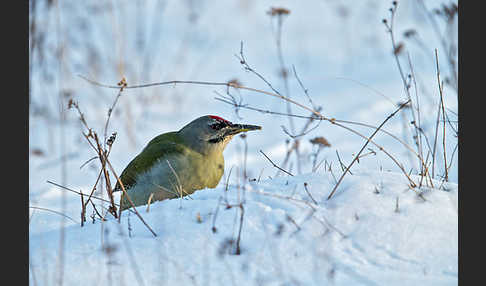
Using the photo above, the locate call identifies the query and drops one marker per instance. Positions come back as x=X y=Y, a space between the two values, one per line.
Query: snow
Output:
x=375 y=230
x=357 y=238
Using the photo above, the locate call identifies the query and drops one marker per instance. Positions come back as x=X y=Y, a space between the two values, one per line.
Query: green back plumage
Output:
x=162 y=145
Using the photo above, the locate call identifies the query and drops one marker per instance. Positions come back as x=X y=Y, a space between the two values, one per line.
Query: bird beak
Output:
x=238 y=128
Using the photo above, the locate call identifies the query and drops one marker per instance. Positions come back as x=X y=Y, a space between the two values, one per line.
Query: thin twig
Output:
x=123 y=84
x=306 y=91
x=76 y=192
x=308 y=193
x=275 y=165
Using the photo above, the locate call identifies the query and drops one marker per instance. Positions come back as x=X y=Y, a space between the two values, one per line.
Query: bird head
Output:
x=209 y=133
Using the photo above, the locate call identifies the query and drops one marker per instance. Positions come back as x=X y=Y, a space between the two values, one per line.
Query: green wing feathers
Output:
x=162 y=145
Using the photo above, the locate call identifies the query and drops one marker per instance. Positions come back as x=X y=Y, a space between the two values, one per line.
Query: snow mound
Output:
x=373 y=231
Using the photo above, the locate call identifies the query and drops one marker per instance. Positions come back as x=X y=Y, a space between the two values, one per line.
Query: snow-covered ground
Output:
x=375 y=230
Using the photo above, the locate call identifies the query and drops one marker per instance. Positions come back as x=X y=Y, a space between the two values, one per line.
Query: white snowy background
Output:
x=375 y=230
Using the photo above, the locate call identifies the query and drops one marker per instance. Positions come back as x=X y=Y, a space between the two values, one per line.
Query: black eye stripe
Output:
x=218 y=125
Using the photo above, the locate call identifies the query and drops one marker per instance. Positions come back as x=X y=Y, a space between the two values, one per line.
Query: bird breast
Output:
x=186 y=173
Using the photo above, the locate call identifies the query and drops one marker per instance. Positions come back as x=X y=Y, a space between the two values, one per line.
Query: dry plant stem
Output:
x=333 y=121
x=408 y=147
x=102 y=153
x=343 y=167
x=406 y=85
x=104 y=161
x=380 y=148
x=309 y=194
x=275 y=165
x=83 y=210
x=94 y=188
x=79 y=193
x=247 y=67
x=441 y=86
x=287 y=157
x=283 y=70
x=97 y=149
x=128 y=197
x=418 y=134
x=103 y=158
x=426 y=172
x=434 y=150
x=109 y=115
x=319 y=116
x=452 y=157
x=306 y=92
x=213 y=228
x=412 y=74
x=364 y=146
x=443 y=41
x=238 y=239
x=392 y=37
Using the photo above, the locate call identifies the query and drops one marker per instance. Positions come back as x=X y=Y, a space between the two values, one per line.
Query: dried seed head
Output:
x=37 y=152
x=122 y=83
x=112 y=138
x=235 y=82
x=278 y=11
x=398 y=49
x=320 y=141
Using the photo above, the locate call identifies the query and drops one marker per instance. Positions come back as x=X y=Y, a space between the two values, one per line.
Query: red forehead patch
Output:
x=218 y=118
